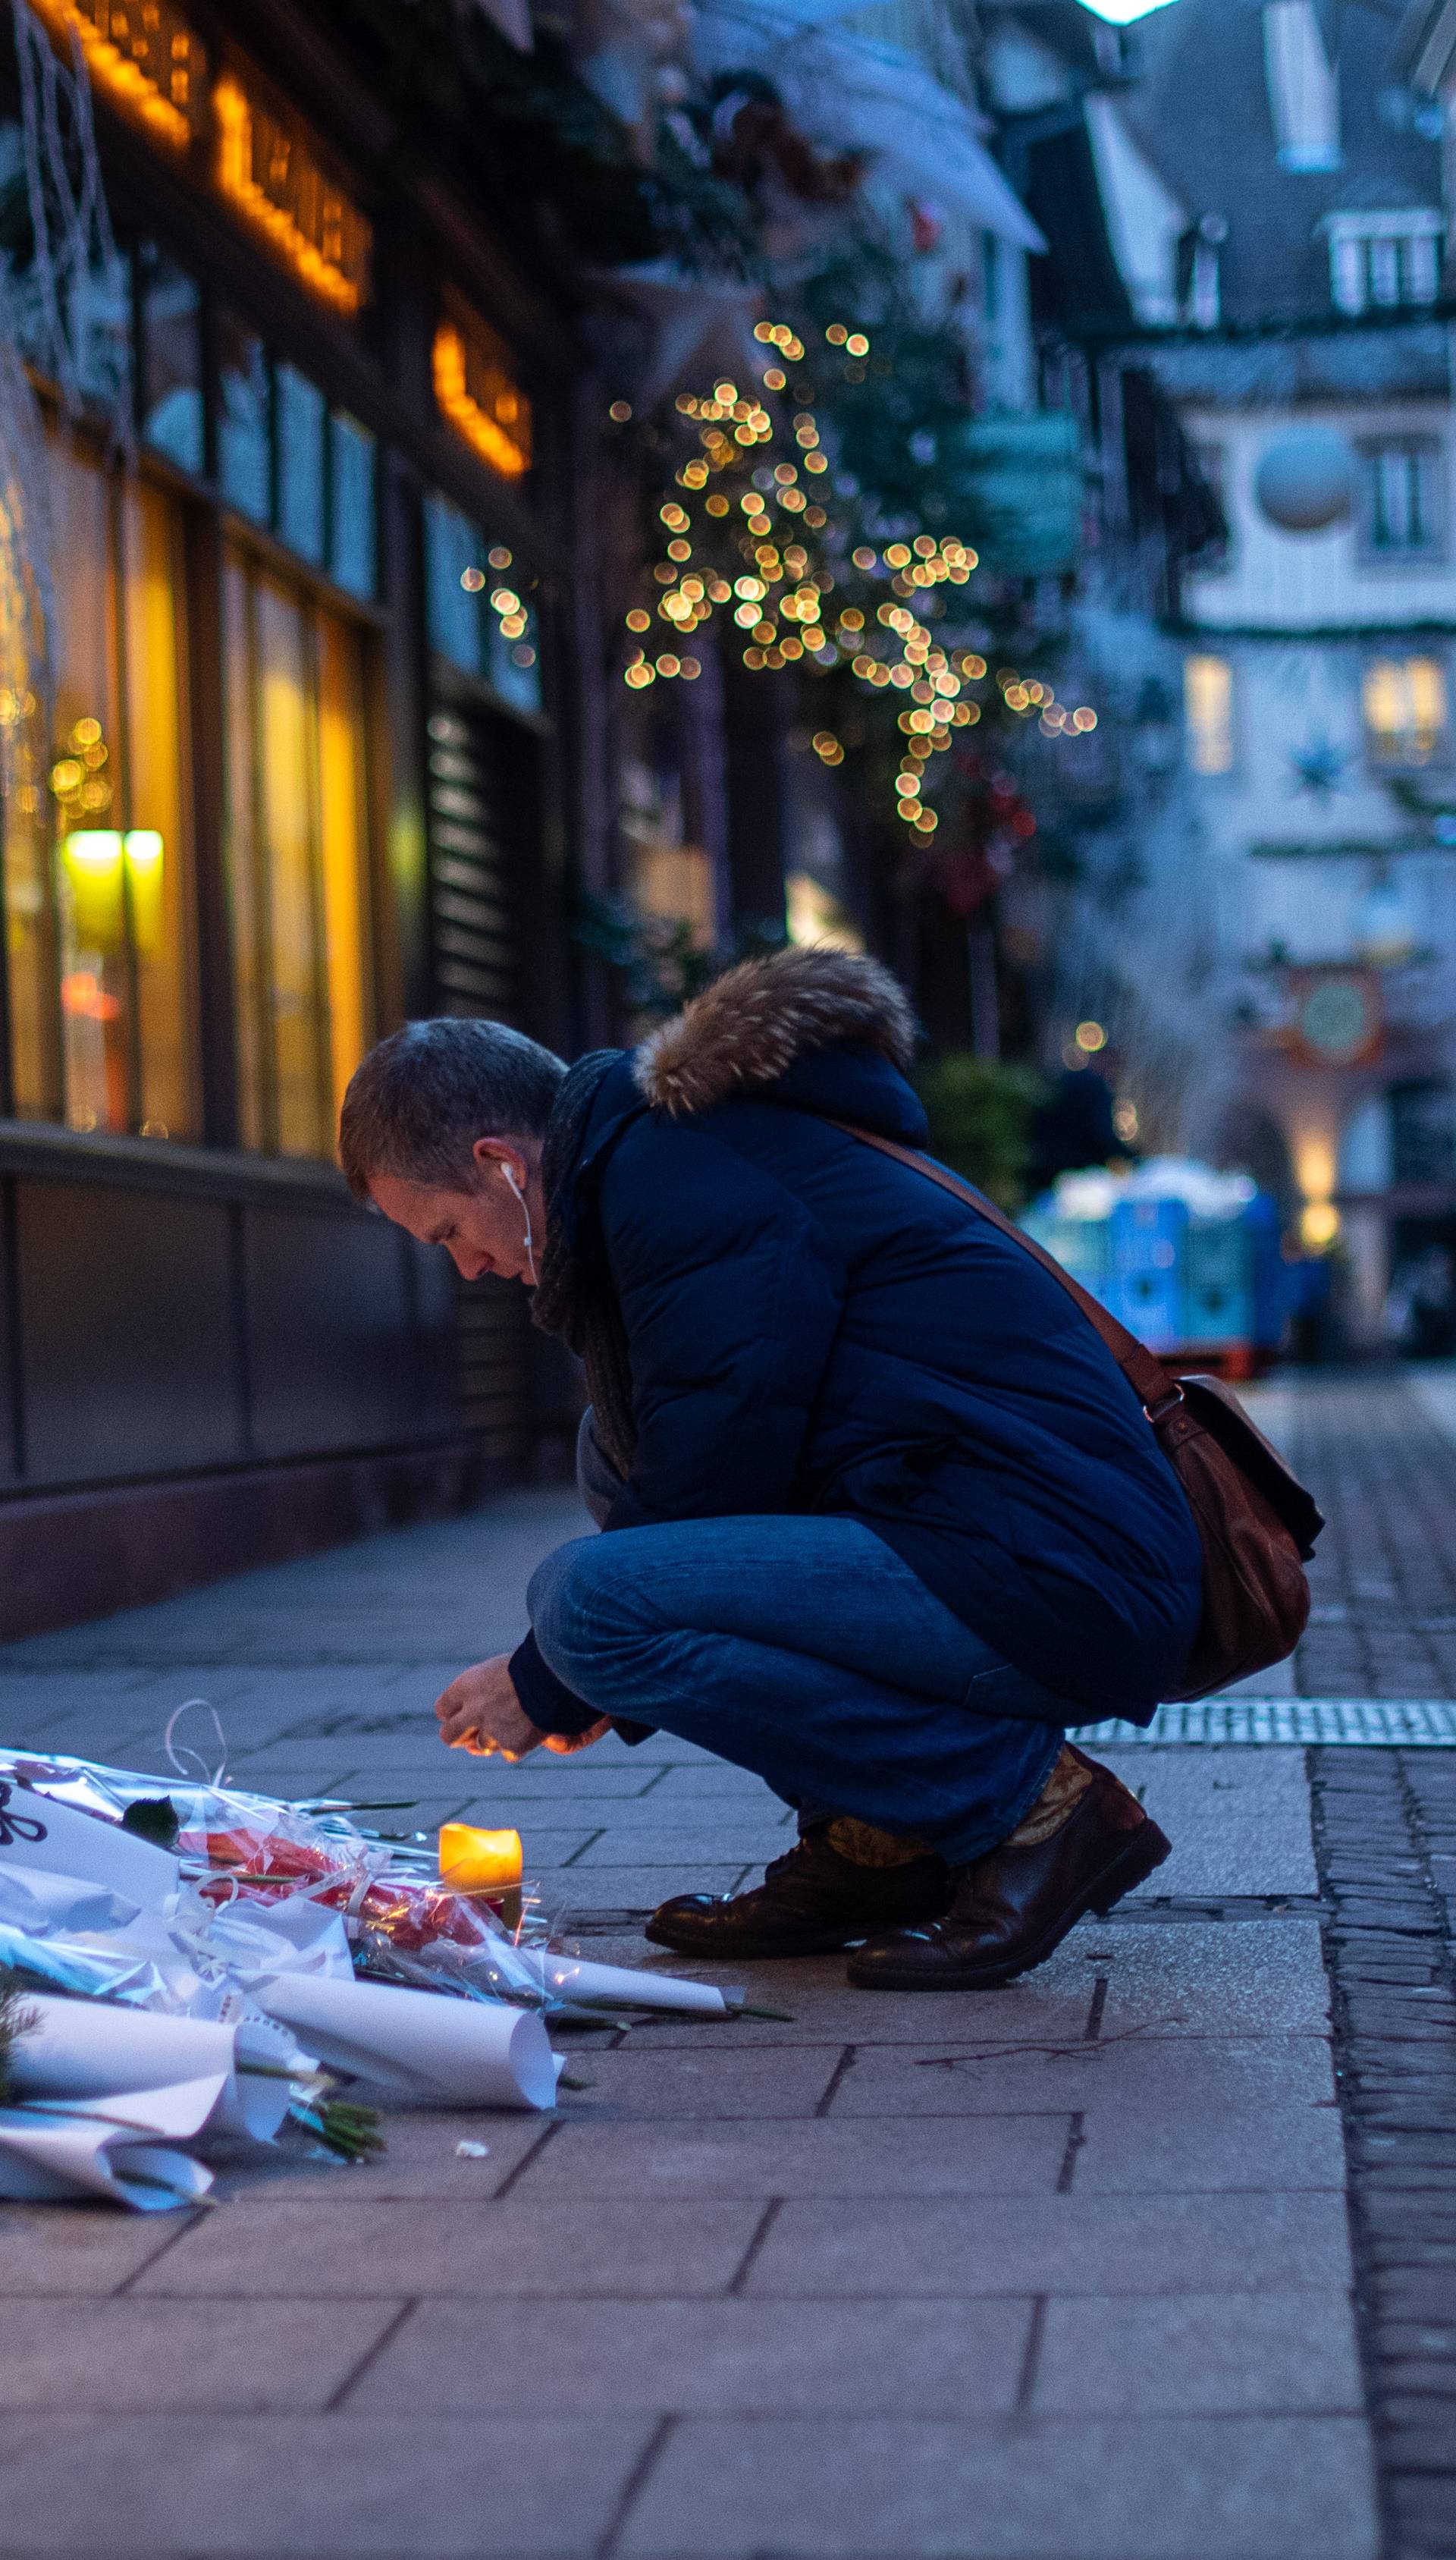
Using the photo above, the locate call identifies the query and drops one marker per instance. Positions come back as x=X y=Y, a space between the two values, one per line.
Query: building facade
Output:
x=292 y=746
x=1270 y=182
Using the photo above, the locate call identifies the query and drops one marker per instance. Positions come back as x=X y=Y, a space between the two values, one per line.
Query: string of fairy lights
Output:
x=748 y=535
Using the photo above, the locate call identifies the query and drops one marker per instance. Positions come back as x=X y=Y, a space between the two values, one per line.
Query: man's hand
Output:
x=480 y=1712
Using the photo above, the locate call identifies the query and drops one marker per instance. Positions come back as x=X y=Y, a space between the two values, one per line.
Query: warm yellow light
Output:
x=1319 y=1225
x=146 y=59
x=1208 y=695
x=267 y=170
x=144 y=861
x=93 y=866
x=1090 y=1037
x=478 y=1861
x=481 y=402
x=1314 y=1164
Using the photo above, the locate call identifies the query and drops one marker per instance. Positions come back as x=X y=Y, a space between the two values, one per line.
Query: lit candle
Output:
x=479 y=1862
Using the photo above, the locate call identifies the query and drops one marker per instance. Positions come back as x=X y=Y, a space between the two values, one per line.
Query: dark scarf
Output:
x=574 y=1296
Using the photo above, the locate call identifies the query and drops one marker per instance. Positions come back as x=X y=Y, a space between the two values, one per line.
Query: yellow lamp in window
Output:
x=143 y=851
x=93 y=866
x=479 y=1862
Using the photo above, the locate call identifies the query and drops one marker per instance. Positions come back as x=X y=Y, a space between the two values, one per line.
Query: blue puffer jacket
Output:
x=815 y=1327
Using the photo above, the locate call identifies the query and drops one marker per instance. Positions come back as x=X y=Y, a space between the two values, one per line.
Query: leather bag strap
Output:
x=1155 y=1386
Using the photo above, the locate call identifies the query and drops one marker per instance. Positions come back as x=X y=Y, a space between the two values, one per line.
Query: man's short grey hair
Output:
x=416 y=1104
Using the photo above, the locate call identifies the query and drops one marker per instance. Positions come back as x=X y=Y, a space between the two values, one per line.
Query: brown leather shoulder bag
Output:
x=1256 y=1523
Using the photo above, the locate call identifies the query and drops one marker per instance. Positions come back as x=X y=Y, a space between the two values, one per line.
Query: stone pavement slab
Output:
x=1238 y=1820
x=732 y=2358
x=924 y=2247
x=350 y=2245
x=333 y=2487
x=997 y=2155
x=1172 y=2488
x=151 y=2357
x=1200 y=2355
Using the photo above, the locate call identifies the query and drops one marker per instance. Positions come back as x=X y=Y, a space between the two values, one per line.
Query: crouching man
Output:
x=884 y=1517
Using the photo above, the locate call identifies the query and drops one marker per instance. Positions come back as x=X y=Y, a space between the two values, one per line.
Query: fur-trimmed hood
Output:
x=752 y=1024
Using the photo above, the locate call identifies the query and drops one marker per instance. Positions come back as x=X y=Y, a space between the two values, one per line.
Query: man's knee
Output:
x=576 y=1604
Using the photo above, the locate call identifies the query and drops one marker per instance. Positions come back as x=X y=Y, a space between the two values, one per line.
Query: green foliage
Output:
x=15 y=2018
x=661 y=964
x=893 y=415
x=980 y=1113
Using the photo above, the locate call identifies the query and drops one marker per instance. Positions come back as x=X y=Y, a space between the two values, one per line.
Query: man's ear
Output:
x=487 y=1153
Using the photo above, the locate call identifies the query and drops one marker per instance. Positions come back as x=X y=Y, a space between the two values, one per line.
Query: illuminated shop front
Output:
x=274 y=776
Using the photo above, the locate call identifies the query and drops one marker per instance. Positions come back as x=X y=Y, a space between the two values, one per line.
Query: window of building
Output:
x=1214 y=557
x=481 y=615
x=170 y=415
x=286 y=461
x=97 y=837
x=353 y=541
x=1405 y=710
x=301 y=443
x=296 y=857
x=1303 y=86
x=1208 y=695
x=244 y=424
x=1403 y=510
x=1382 y=260
x=1422 y=1131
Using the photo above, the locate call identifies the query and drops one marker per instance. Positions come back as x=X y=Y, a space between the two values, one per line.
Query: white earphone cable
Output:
x=520 y=1197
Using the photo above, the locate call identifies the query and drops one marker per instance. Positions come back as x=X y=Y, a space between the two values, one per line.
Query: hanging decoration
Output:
x=77 y=324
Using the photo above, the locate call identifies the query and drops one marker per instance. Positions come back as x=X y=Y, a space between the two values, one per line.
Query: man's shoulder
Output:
x=681 y=1171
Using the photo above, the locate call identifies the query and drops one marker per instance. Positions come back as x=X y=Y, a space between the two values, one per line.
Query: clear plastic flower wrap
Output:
x=238 y=1851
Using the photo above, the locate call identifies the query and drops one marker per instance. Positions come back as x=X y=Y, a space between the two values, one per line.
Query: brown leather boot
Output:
x=1013 y=1907
x=810 y=1902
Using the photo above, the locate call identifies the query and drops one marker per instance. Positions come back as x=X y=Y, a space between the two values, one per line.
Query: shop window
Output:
x=481 y=617
x=353 y=548
x=285 y=461
x=1208 y=692
x=1405 y=710
x=170 y=412
x=1402 y=500
x=299 y=410
x=244 y=425
x=98 y=839
x=297 y=858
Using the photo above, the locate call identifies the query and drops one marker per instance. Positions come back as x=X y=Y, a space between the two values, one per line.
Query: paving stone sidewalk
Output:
x=1062 y=2272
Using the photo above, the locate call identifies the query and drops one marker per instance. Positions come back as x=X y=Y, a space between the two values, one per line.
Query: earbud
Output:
x=520 y=1197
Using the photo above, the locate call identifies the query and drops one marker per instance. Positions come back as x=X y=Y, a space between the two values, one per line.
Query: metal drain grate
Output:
x=1409 y=1722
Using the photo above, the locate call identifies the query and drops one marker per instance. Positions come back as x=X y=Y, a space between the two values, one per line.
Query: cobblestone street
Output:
x=1071 y=2271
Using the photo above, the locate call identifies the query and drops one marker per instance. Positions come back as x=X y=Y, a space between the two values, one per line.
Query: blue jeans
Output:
x=803 y=1649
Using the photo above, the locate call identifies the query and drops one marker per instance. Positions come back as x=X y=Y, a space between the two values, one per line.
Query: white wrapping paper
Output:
x=114 y=2148
x=86 y=2049
x=569 y=1978
x=35 y=1832
x=41 y=1899
x=452 y=2052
